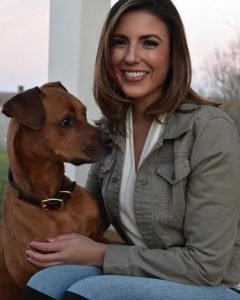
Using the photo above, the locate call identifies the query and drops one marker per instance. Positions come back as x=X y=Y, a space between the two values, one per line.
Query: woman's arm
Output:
x=211 y=217
x=66 y=249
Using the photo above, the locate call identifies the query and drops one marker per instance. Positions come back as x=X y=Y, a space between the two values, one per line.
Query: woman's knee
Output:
x=98 y=287
x=54 y=281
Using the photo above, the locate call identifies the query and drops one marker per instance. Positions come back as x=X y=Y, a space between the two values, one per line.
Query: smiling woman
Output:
x=221 y=24
x=141 y=37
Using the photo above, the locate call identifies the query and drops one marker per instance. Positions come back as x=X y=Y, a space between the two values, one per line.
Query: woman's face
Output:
x=140 y=55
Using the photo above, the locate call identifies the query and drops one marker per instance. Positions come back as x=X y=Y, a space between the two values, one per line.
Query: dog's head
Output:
x=54 y=126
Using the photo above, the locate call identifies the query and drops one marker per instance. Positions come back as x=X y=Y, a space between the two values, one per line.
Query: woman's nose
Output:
x=132 y=55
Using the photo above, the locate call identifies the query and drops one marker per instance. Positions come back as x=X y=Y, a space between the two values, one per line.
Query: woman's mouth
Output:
x=134 y=75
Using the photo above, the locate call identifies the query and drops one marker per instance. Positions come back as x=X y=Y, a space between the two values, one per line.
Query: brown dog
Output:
x=48 y=127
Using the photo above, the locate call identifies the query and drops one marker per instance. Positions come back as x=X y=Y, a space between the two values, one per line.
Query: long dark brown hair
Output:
x=176 y=88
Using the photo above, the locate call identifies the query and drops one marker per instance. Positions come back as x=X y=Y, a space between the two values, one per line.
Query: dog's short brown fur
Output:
x=48 y=127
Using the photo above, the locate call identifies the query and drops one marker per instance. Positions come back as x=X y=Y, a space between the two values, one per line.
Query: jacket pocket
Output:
x=172 y=178
x=174 y=171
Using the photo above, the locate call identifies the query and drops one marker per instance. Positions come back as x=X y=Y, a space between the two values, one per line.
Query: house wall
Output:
x=3 y=129
x=4 y=96
x=73 y=39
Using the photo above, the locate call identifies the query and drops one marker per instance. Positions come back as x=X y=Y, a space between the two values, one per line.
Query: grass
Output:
x=3 y=174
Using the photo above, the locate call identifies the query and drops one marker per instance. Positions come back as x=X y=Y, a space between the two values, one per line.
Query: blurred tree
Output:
x=221 y=73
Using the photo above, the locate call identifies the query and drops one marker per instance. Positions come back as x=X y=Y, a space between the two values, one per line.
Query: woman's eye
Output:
x=118 y=43
x=67 y=122
x=150 y=43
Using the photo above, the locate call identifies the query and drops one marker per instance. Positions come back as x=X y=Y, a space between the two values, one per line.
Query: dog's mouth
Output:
x=79 y=162
x=93 y=155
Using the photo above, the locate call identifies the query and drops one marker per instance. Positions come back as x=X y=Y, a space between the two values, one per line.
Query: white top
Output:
x=129 y=176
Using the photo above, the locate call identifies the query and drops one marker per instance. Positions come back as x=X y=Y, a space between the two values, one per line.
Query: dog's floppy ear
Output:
x=56 y=84
x=26 y=107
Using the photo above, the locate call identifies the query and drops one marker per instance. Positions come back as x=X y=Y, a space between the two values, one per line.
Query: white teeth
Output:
x=135 y=74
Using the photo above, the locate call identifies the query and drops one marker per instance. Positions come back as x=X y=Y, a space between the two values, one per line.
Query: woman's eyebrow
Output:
x=148 y=36
x=119 y=35
x=142 y=37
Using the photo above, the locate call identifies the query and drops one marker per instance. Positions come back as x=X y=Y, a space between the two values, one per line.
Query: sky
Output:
x=24 y=28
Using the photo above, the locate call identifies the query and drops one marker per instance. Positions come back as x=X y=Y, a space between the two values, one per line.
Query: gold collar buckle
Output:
x=52 y=203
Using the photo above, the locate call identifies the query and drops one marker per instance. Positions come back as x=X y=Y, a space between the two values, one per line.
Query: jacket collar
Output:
x=178 y=123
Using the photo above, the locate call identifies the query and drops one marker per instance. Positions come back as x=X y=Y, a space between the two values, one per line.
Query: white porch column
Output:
x=74 y=33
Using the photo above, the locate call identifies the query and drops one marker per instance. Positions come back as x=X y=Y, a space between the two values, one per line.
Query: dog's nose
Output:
x=106 y=139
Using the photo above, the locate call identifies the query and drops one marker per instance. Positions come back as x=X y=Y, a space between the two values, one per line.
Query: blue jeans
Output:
x=61 y=281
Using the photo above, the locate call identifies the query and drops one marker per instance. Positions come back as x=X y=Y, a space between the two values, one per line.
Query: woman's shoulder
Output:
x=210 y=113
x=203 y=114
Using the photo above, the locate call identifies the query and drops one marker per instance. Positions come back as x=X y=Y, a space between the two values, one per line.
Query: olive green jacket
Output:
x=186 y=201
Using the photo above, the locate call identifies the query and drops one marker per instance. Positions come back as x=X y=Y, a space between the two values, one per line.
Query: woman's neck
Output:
x=141 y=126
x=139 y=116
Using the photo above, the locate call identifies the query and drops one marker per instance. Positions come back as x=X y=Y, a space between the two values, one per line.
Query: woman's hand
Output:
x=66 y=249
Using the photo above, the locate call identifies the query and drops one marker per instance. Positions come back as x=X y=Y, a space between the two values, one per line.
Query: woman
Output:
x=171 y=185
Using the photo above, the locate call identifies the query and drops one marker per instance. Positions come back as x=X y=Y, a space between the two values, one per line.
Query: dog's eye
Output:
x=67 y=122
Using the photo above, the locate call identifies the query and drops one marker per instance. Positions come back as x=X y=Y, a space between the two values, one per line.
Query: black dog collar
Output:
x=56 y=202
